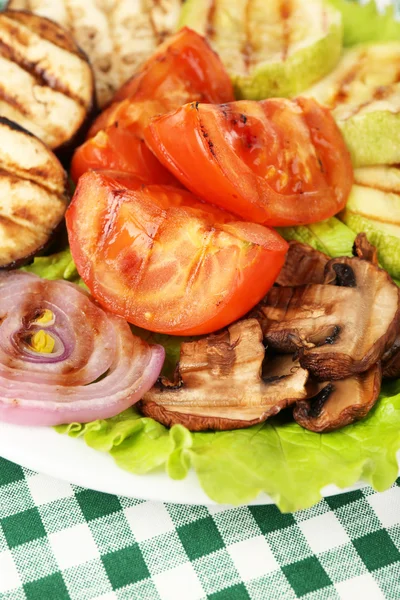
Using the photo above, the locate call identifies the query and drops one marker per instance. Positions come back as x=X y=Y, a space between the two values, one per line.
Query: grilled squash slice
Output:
x=33 y=196
x=364 y=95
x=274 y=48
x=46 y=83
x=117 y=35
x=374 y=207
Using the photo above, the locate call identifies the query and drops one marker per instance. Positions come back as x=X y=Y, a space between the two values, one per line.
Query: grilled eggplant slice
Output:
x=335 y=404
x=303 y=265
x=220 y=384
x=46 y=83
x=33 y=196
x=118 y=36
x=374 y=207
x=271 y=49
x=338 y=328
x=364 y=95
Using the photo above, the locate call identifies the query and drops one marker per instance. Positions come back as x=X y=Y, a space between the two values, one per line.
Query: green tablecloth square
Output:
x=11 y=473
x=335 y=502
x=143 y=590
x=200 y=538
x=276 y=520
x=274 y=585
x=358 y=518
x=15 y=498
x=306 y=576
x=377 y=550
x=34 y=560
x=87 y=580
x=394 y=533
x=216 y=571
x=236 y=525
x=52 y=587
x=236 y=592
x=388 y=579
x=288 y=553
x=182 y=514
x=163 y=552
x=23 y=527
x=342 y=563
x=125 y=566
x=95 y=504
x=112 y=533
x=61 y=514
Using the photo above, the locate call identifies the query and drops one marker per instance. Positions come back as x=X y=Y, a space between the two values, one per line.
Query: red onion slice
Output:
x=96 y=369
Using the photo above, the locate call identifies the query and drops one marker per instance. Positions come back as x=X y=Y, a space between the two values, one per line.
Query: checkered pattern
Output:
x=59 y=541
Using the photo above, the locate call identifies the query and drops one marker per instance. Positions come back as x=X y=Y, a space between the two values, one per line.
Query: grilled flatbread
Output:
x=117 y=35
x=46 y=83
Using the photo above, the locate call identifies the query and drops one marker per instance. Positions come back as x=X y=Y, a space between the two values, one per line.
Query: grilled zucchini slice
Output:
x=274 y=48
x=374 y=207
x=33 y=194
x=118 y=36
x=46 y=83
x=364 y=95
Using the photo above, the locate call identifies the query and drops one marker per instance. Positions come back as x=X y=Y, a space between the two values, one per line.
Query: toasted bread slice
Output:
x=33 y=194
x=117 y=35
x=46 y=82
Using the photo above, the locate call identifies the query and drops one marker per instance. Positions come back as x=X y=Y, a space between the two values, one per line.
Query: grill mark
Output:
x=41 y=76
x=342 y=94
x=380 y=188
x=6 y=172
x=159 y=35
x=380 y=93
x=12 y=101
x=210 y=29
x=285 y=11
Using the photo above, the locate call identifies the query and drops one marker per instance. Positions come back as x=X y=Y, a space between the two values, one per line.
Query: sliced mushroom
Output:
x=338 y=328
x=391 y=360
x=364 y=249
x=220 y=384
x=339 y=403
x=303 y=265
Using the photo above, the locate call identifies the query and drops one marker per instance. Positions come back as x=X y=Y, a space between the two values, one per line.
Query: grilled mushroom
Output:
x=219 y=383
x=364 y=250
x=339 y=328
x=33 y=194
x=338 y=403
x=303 y=265
x=46 y=82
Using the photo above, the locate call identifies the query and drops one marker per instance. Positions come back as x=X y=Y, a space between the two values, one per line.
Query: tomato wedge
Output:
x=276 y=162
x=119 y=149
x=163 y=260
x=183 y=69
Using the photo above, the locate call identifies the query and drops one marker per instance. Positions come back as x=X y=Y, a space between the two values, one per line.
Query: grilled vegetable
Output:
x=271 y=49
x=46 y=83
x=219 y=383
x=364 y=95
x=338 y=328
x=303 y=265
x=374 y=207
x=339 y=403
x=33 y=196
x=117 y=36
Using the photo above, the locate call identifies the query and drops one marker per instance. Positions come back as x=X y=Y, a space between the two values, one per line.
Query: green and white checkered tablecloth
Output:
x=59 y=541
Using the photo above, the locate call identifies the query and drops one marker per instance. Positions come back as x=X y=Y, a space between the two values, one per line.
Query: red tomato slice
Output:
x=183 y=69
x=128 y=114
x=277 y=162
x=118 y=149
x=161 y=259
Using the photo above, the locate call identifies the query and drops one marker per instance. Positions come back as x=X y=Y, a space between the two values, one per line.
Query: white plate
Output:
x=44 y=450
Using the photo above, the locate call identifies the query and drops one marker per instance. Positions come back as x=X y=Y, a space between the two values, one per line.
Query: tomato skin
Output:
x=129 y=115
x=276 y=162
x=160 y=258
x=183 y=69
x=118 y=149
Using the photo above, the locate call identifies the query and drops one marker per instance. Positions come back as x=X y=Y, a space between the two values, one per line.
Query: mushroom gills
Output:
x=338 y=328
x=224 y=382
x=335 y=404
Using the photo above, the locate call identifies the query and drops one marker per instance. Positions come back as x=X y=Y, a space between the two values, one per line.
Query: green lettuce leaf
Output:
x=282 y=459
x=365 y=23
x=55 y=266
